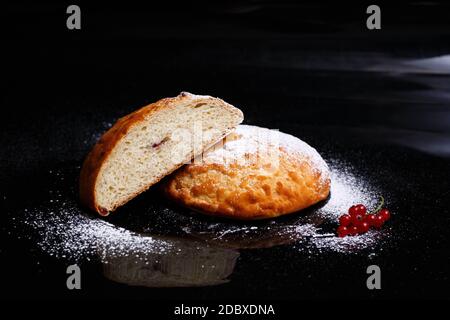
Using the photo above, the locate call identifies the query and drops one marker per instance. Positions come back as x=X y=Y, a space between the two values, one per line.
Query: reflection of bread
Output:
x=192 y=264
x=148 y=144
x=258 y=173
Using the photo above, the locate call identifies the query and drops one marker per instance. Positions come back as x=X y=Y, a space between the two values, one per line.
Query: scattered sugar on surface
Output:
x=314 y=232
x=347 y=244
x=347 y=189
x=63 y=229
x=66 y=233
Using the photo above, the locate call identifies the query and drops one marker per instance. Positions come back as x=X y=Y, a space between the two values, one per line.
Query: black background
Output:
x=305 y=68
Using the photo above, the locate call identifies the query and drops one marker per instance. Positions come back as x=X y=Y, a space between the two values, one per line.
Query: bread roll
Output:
x=150 y=143
x=255 y=173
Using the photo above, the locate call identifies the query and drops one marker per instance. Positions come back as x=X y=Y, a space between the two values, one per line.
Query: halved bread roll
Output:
x=150 y=143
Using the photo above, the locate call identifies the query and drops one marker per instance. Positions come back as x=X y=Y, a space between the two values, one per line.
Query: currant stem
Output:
x=379 y=207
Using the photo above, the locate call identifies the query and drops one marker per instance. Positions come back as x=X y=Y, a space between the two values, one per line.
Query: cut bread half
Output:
x=150 y=143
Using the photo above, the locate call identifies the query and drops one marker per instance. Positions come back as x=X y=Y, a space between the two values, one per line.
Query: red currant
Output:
x=345 y=220
x=342 y=231
x=362 y=209
x=370 y=219
x=378 y=222
x=352 y=210
x=353 y=230
x=385 y=214
x=357 y=209
x=363 y=227
x=357 y=219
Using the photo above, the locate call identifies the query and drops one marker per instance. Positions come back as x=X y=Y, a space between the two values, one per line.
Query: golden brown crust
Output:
x=266 y=185
x=103 y=148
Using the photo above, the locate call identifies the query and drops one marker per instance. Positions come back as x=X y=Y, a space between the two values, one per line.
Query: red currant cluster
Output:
x=359 y=221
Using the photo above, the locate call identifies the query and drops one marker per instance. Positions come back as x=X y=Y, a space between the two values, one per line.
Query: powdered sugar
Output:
x=350 y=244
x=347 y=189
x=249 y=144
x=312 y=231
x=68 y=233
x=61 y=228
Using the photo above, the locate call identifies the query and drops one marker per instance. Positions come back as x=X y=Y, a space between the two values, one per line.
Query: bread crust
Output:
x=99 y=154
x=268 y=184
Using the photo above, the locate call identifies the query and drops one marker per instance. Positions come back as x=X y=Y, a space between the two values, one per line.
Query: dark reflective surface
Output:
x=190 y=264
x=377 y=106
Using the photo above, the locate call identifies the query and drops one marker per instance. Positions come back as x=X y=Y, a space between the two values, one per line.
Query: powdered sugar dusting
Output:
x=347 y=244
x=313 y=231
x=67 y=233
x=293 y=145
x=347 y=189
x=249 y=144
x=62 y=229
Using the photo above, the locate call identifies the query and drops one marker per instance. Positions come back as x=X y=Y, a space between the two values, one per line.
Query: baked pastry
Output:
x=150 y=143
x=255 y=173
